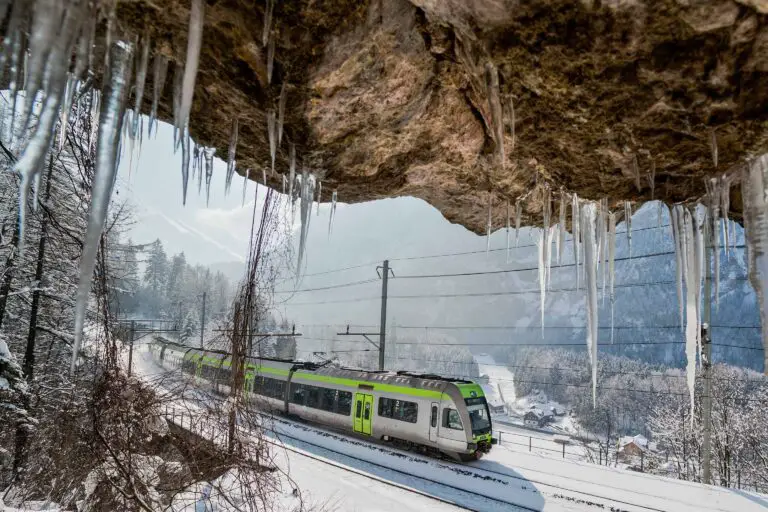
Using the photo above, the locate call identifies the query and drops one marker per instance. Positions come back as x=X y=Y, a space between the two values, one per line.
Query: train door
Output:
x=363 y=413
x=433 y=422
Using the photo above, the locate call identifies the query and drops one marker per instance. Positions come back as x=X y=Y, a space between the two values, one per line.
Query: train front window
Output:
x=478 y=415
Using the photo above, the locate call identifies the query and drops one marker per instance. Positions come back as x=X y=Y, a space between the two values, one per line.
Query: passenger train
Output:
x=432 y=414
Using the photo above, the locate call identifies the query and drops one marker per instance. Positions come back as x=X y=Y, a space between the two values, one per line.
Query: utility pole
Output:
x=202 y=322
x=383 y=325
x=131 y=335
x=706 y=354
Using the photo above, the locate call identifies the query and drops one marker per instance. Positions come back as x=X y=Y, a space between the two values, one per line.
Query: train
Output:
x=435 y=415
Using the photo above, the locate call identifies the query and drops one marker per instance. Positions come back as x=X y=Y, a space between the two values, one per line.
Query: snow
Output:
x=348 y=473
x=499 y=378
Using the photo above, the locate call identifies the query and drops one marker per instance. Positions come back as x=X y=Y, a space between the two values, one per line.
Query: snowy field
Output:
x=337 y=472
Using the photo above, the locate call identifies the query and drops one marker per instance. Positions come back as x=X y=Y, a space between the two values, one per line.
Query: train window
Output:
x=398 y=410
x=313 y=397
x=451 y=419
x=328 y=399
x=345 y=403
x=367 y=411
x=298 y=394
x=433 y=420
x=359 y=408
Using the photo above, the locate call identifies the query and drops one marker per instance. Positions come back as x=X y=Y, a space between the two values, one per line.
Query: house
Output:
x=532 y=419
x=630 y=446
x=557 y=412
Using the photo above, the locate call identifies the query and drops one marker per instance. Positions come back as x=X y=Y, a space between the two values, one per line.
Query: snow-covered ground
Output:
x=503 y=480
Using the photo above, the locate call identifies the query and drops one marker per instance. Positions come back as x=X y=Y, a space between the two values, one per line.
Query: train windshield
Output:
x=478 y=415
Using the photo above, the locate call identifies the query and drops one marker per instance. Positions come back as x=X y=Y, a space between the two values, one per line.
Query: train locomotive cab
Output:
x=465 y=425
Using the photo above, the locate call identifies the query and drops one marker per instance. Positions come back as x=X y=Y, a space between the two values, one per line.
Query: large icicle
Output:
x=45 y=26
x=307 y=192
x=611 y=263
x=542 y=276
x=231 y=156
x=698 y=269
x=141 y=78
x=575 y=219
x=603 y=245
x=561 y=233
x=272 y=136
x=678 y=235
x=319 y=193
x=31 y=161
x=115 y=95
x=208 y=155
x=270 y=58
x=178 y=84
x=292 y=171
x=494 y=107
x=197 y=159
x=489 y=225
x=628 y=223
x=332 y=214
x=509 y=235
x=691 y=322
x=754 y=190
x=185 y=156
x=547 y=218
x=588 y=217
x=518 y=217
x=281 y=113
x=246 y=177
x=713 y=146
x=268 y=10
x=725 y=207
x=713 y=225
x=158 y=84
x=194 y=42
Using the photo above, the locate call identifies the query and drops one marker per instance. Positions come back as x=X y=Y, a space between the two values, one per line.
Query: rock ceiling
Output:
x=389 y=98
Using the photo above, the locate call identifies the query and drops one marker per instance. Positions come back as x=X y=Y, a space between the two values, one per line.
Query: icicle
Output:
x=178 y=80
x=713 y=146
x=677 y=237
x=561 y=233
x=628 y=222
x=652 y=179
x=45 y=26
x=725 y=207
x=197 y=165
x=281 y=113
x=754 y=190
x=264 y=176
x=84 y=56
x=272 y=136
x=508 y=231
x=542 y=278
x=270 y=58
x=698 y=270
x=115 y=95
x=208 y=155
x=611 y=263
x=65 y=110
x=332 y=214
x=489 y=225
x=158 y=84
x=518 y=217
x=31 y=160
x=194 y=41
x=659 y=213
x=494 y=107
x=603 y=247
x=575 y=219
x=268 y=10
x=713 y=210
x=141 y=78
x=636 y=171
x=12 y=51
x=231 y=156
x=512 y=122
x=552 y=233
x=292 y=171
x=284 y=182
x=245 y=184
x=184 y=165
x=546 y=220
x=590 y=262
x=38 y=180
x=319 y=193
x=691 y=327
x=307 y=193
